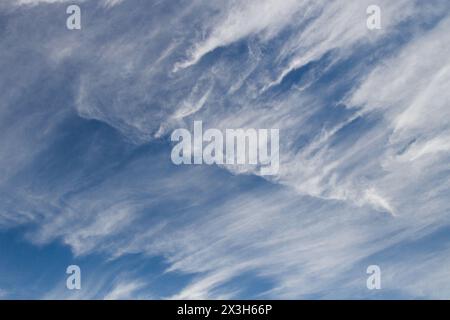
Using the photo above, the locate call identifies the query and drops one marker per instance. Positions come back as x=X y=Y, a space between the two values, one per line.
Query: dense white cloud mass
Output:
x=364 y=121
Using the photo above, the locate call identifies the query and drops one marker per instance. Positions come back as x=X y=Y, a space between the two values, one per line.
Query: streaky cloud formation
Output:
x=363 y=115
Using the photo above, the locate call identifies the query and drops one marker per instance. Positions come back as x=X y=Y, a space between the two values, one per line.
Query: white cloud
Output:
x=303 y=241
x=124 y=290
x=107 y=3
x=241 y=19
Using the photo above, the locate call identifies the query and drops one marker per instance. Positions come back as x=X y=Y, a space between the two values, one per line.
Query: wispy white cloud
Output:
x=124 y=290
x=107 y=3
x=344 y=162
x=242 y=19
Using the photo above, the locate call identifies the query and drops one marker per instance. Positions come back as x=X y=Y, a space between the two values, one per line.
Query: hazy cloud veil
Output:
x=85 y=170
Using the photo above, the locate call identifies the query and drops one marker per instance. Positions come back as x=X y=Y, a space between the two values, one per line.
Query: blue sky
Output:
x=86 y=176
